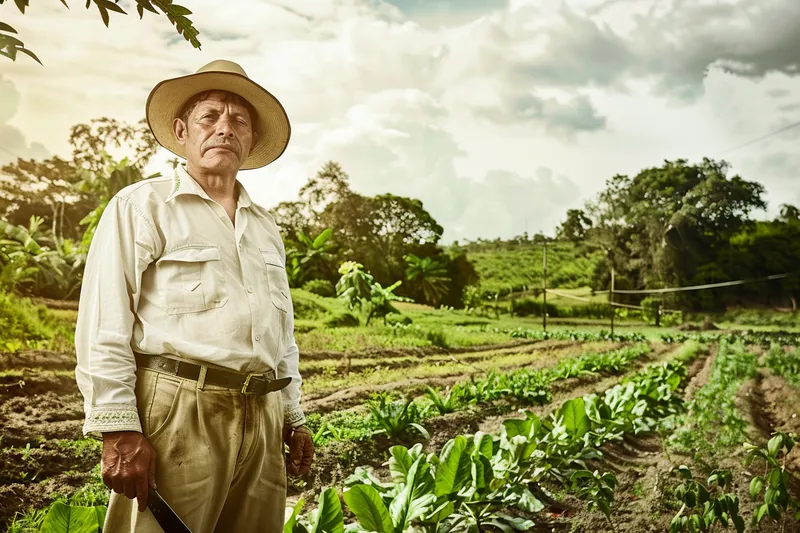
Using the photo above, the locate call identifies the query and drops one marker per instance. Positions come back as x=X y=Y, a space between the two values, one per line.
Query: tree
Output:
x=703 y=206
x=10 y=45
x=576 y=225
x=428 y=276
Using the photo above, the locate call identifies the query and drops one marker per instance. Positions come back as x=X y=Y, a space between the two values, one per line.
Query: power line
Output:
x=766 y=136
x=703 y=287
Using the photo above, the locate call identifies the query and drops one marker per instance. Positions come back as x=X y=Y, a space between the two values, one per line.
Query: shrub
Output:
x=21 y=321
x=320 y=287
x=394 y=318
x=343 y=320
x=307 y=308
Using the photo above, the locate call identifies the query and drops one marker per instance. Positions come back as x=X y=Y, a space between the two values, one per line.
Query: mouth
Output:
x=223 y=147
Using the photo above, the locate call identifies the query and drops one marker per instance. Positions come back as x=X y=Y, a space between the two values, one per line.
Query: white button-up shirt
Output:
x=168 y=273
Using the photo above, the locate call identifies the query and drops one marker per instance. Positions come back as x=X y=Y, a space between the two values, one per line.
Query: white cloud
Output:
x=458 y=108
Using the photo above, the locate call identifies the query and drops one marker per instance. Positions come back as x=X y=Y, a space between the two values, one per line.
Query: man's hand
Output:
x=129 y=465
x=301 y=450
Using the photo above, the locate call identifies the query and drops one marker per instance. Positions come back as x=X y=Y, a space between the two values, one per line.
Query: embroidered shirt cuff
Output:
x=105 y=418
x=293 y=416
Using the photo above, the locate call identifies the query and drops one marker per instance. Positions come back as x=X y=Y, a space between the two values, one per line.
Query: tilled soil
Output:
x=40 y=405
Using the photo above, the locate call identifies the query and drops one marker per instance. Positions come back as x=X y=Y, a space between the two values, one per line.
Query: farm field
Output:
x=631 y=408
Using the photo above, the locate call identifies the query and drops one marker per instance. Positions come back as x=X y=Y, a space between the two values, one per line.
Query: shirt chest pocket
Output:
x=275 y=274
x=192 y=280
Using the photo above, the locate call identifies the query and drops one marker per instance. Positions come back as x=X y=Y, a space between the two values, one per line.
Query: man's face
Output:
x=217 y=135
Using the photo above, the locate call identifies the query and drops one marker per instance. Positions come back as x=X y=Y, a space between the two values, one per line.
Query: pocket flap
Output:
x=192 y=255
x=271 y=257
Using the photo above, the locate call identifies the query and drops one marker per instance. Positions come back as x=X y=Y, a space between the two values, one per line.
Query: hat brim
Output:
x=168 y=98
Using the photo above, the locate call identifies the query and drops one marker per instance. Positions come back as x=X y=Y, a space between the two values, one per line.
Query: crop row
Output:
x=713 y=409
x=475 y=479
x=783 y=363
x=527 y=387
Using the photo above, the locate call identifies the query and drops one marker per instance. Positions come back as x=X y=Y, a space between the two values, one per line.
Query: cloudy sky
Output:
x=498 y=114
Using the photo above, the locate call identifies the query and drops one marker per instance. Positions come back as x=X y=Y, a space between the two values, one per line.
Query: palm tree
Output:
x=310 y=254
x=428 y=275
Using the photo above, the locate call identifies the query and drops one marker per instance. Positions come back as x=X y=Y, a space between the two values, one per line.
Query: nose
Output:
x=224 y=128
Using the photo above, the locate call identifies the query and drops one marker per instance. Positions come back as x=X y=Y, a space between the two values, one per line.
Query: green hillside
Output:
x=507 y=267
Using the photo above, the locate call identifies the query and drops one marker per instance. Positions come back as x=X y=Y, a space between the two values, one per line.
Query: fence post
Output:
x=544 y=293
x=611 y=300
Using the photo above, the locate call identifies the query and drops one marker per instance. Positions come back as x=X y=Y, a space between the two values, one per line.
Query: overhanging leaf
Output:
x=366 y=503
x=62 y=518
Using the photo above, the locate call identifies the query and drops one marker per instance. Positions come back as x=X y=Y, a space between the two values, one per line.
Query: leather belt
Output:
x=253 y=383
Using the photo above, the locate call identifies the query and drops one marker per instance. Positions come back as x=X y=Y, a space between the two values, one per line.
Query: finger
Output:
x=130 y=488
x=117 y=485
x=308 y=457
x=296 y=448
x=291 y=469
x=141 y=491
x=151 y=471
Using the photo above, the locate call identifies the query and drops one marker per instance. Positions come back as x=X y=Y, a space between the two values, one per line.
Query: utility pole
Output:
x=611 y=300
x=544 y=294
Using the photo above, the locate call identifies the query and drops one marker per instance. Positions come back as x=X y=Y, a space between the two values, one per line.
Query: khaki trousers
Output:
x=220 y=461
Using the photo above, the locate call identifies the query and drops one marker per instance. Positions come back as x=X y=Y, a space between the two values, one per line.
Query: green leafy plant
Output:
x=700 y=508
x=396 y=418
x=773 y=488
x=63 y=518
x=444 y=403
x=597 y=489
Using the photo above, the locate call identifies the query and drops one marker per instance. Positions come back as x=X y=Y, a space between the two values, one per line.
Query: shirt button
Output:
x=258 y=337
x=250 y=290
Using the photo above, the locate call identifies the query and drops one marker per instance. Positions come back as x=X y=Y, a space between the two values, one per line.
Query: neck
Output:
x=220 y=186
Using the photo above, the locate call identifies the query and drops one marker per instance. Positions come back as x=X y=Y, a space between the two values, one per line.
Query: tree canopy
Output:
x=178 y=15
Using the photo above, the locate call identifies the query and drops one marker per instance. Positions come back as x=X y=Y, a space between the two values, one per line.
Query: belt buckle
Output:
x=247 y=382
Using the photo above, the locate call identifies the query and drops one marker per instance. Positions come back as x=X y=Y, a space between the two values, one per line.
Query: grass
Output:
x=26 y=325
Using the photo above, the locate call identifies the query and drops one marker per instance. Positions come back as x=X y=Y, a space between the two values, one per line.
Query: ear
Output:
x=180 y=130
x=253 y=142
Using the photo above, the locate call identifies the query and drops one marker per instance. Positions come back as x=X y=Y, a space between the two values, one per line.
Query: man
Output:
x=186 y=354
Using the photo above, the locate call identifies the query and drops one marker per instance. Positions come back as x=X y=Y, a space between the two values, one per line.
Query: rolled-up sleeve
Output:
x=123 y=246
x=289 y=366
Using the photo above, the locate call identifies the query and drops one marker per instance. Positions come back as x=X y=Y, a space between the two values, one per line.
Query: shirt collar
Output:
x=184 y=183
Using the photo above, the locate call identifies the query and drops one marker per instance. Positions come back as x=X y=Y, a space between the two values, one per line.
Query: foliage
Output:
x=22 y=324
x=307 y=256
x=700 y=509
x=713 y=408
x=396 y=418
x=472 y=482
x=63 y=518
x=506 y=267
x=359 y=289
x=342 y=320
x=784 y=363
x=10 y=46
x=777 y=500
x=429 y=276
x=320 y=287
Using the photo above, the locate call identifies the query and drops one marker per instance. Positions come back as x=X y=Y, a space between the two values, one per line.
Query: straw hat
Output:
x=169 y=96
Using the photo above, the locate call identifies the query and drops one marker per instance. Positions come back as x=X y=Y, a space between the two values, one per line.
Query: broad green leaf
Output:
x=685 y=472
x=738 y=523
x=366 y=503
x=454 y=468
x=774 y=445
x=575 y=418
x=528 y=502
x=415 y=499
x=62 y=518
x=399 y=463
x=756 y=486
x=329 y=513
x=288 y=527
x=5 y=27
